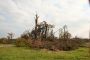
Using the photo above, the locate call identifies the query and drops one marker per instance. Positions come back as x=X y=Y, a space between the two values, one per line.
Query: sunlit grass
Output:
x=22 y=53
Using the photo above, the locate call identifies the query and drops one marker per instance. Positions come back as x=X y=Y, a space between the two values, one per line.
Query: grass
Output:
x=23 y=53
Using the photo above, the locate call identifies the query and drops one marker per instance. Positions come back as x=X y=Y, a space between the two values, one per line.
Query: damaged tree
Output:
x=41 y=30
x=42 y=36
x=10 y=36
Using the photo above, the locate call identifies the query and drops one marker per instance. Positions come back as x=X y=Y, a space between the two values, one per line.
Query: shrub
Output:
x=55 y=45
x=21 y=42
x=5 y=41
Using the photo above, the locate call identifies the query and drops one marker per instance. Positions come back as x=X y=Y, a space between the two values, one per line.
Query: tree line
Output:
x=42 y=36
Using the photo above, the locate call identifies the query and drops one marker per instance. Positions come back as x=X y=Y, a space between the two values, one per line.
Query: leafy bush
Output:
x=21 y=42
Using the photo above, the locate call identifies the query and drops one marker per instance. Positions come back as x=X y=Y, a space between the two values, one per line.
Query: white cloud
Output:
x=2 y=18
x=21 y=13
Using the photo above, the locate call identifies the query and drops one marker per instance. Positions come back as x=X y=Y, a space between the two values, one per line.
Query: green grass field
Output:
x=22 y=53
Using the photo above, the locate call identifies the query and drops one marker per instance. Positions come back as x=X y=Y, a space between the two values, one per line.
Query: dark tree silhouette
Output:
x=41 y=29
x=10 y=36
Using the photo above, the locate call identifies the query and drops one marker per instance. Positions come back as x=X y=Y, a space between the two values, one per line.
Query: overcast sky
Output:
x=18 y=15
